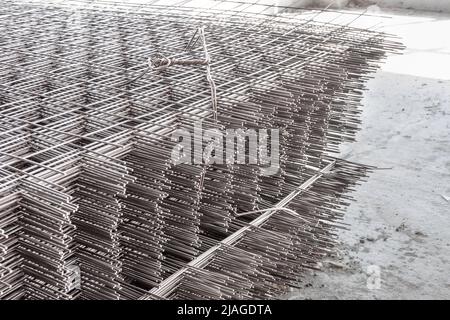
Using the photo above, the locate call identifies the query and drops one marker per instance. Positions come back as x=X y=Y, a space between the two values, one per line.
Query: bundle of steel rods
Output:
x=93 y=202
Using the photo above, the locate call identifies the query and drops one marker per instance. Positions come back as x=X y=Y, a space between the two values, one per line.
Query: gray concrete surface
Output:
x=430 y=5
x=400 y=221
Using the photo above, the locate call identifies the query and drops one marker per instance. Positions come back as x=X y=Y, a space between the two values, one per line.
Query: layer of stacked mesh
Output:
x=262 y=261
x=87 y=177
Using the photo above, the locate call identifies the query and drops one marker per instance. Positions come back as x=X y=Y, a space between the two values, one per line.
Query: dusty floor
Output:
x=400 y=222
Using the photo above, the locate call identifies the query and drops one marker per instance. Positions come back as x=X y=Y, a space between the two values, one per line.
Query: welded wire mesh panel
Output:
x=92 y=203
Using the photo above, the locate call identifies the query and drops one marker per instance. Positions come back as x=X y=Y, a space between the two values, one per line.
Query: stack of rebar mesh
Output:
x=92 y=205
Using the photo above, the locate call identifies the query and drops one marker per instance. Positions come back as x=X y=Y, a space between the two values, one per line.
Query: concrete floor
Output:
x=400 y=221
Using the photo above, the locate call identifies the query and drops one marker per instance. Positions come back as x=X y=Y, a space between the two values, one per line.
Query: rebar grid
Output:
x=86 y=173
